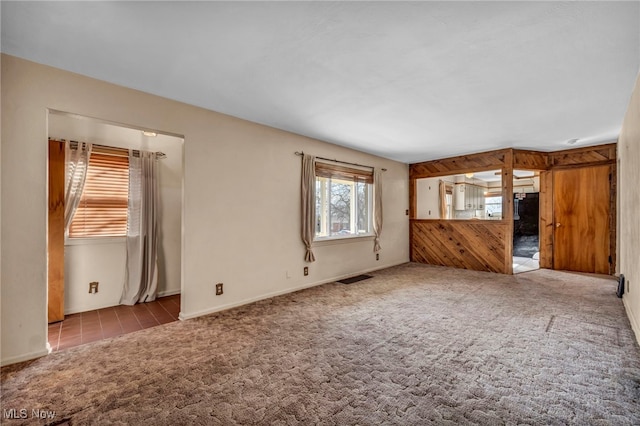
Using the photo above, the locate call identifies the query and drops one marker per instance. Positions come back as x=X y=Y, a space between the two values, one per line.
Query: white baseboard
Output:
x=187 y=316
x=635 y=324
x=24 y=357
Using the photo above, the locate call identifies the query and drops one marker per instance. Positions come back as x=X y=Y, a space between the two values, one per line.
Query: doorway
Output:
x=526 y=221
x=582 y=218
x=100 y=260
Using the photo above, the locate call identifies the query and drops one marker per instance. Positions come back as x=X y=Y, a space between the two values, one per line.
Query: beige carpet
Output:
x=414 y=345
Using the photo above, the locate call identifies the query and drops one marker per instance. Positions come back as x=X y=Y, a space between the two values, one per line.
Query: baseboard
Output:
x=24 y=357
x=183 y=316
x=168 y=293
x=635 y=324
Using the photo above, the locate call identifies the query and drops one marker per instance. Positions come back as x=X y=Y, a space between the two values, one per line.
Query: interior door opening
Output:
x=81 y=262
x=526 y=221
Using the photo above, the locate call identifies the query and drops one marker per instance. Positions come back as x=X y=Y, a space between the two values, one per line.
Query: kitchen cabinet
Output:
x=468 y=197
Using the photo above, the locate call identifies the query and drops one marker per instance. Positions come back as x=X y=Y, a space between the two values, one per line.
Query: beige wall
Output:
x=629 y=208
x=241 y=200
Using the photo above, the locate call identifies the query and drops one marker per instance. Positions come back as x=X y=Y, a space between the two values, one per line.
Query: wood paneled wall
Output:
x=469 y=244
x=487 y=245
x=450 y=166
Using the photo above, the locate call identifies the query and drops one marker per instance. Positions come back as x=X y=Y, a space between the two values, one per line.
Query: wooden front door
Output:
x=55 y=245
x=581 y=211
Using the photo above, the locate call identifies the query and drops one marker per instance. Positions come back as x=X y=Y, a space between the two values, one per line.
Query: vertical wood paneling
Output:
x=613 y=215
x=581 y=207
x=469 y=244
x=546 y=220
x=507 y=212
x=55 y=244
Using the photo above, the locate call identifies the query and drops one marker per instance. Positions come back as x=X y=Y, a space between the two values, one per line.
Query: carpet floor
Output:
x=414 y=345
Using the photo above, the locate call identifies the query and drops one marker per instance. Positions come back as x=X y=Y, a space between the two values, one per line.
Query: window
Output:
x=344 y=201
x=102 y=211
x=493 y=204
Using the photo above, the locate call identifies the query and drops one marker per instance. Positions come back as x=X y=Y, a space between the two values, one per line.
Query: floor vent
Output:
x=355 y=279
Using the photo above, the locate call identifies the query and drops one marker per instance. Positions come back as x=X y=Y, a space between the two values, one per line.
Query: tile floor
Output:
x=525 y=264
x=85 y=327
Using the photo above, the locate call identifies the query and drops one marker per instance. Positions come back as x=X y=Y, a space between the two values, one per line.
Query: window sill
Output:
x=94 y=240
x=327 y=241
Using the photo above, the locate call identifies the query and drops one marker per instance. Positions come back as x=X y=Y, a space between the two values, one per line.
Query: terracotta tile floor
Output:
x=85 y=327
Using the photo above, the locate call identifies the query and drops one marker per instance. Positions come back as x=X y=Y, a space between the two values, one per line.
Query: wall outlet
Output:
x=306 y=271
x=218 y=289
x=377 y=256
x=93 y=287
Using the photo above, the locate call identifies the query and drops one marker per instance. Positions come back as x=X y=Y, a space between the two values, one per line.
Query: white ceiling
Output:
x=410 y=81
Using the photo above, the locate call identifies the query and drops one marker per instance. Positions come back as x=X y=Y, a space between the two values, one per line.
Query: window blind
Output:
x=102 y=211
x=335 y=171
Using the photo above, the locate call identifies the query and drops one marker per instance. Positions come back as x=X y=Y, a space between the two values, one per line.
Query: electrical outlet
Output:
x=306 y=271
x=93 y=287
x=218 y=289
x=377 y=256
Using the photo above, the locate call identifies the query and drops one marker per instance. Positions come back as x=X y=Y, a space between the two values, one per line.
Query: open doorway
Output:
x=93 y=268
x=526 y=221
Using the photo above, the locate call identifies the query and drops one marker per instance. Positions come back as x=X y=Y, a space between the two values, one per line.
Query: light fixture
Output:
x=469 y=175
x=150 y=134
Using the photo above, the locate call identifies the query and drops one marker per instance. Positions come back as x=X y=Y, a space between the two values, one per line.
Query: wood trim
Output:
x=546 y=220
x=613 y=216
x=463 y=164
x=55 y=245
x=583 y=157
x=507 y=211
x=530 y=160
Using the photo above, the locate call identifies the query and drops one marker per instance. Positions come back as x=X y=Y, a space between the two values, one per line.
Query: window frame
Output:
x=325 y=175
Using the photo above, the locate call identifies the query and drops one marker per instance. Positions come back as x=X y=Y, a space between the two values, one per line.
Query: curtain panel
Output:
x=308 y=196
x=76 y=166
x=377 y=208
x=141 y=274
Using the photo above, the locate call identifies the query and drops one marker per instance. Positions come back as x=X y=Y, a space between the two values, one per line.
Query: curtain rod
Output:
x=300 y=154
x=159 y=155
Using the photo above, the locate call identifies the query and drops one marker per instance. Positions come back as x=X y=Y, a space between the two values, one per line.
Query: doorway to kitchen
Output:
x=526 y=221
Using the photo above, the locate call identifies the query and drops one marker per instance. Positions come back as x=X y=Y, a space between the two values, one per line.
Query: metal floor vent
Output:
x=355 y=279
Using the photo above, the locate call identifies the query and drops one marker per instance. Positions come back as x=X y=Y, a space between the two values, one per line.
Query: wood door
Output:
x=55 y=245
x=581 y=210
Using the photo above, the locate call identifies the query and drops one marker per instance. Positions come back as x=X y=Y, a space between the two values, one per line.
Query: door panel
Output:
x=55 y=245
x=581 y=219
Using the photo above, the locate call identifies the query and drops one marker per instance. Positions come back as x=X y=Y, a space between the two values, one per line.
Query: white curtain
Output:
x=76 y=165
x=308 y=192
x=141 y=275
x=377 y=208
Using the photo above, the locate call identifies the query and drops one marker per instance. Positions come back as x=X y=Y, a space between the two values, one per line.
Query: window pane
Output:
x=362 y=190
x=340 y=207
x=343 y=207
